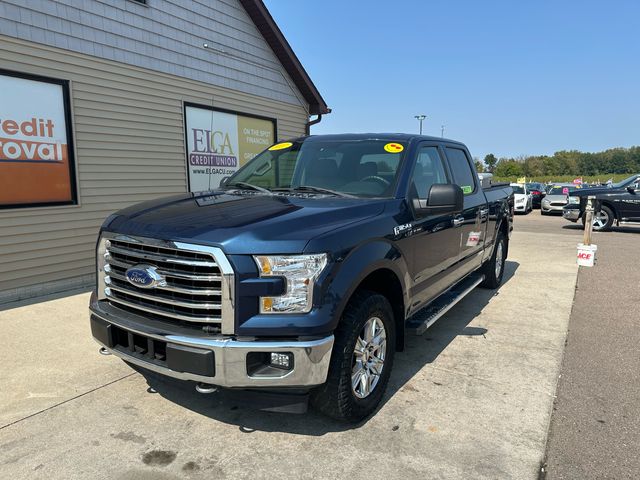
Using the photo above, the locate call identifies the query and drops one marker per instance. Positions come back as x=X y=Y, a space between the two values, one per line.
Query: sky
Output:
x=505 y=77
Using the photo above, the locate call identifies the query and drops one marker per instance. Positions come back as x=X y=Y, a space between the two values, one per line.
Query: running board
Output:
x=423 y=319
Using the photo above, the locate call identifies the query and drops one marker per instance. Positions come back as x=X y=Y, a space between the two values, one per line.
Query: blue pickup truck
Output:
x=301 y=275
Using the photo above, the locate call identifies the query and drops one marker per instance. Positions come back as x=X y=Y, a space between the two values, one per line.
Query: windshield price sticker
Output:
x=393 y=147
x=281 y=146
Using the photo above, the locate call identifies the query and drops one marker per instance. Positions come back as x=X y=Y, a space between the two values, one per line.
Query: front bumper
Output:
x=547 y=207
x=520 y=207
x=216 y=360
x=572 y=214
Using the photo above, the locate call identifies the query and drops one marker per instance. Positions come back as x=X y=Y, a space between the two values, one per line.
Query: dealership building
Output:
x=107 y=103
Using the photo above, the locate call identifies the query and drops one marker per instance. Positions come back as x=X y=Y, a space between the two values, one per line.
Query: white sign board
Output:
x=220 y=142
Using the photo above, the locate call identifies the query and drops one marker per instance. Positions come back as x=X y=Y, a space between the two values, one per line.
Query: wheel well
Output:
x=611 y=207
x=386 y=283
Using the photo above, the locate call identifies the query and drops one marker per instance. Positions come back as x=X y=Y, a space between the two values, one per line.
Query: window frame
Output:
x=474 y=174
x=443 y=159
x=68 y=118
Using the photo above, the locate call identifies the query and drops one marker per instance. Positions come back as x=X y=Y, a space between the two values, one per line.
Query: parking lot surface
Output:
x=471 y=398
x=595 y=430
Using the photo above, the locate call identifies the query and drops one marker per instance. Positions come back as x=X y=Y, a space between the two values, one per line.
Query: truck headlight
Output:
x=300 y=273
x=574 y=200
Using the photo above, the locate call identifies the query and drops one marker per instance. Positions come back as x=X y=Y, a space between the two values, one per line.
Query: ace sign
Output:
x=219 y=142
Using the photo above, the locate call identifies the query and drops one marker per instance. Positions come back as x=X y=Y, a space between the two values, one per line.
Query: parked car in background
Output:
x=523 y=201
x=617 y=204
x=556 y=198
x=537 y=193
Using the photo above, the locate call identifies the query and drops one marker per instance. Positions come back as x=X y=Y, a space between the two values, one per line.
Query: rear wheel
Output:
x=493 y=270
x=361 y=360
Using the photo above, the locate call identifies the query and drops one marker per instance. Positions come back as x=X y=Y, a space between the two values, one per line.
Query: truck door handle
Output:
x=458 y=221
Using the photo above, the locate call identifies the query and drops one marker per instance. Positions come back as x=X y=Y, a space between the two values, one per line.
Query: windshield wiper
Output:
x=311 y=188
x=248 y=186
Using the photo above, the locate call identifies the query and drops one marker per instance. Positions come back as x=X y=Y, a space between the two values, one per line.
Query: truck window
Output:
x=463 y=175
x=427 y=171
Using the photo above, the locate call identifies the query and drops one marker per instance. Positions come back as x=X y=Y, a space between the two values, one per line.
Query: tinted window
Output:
x=461 y=170
x=427 y=171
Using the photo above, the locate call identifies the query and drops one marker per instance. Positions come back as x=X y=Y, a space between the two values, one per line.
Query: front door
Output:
x=435 y=241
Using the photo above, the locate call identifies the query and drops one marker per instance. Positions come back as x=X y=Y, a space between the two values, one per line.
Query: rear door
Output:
x=435 y=242
x=472 y=222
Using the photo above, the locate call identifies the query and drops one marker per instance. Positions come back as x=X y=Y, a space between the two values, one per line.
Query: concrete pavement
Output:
x=469 y=399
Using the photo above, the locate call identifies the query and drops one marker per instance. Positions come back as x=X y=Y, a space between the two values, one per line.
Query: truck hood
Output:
x=242 y=223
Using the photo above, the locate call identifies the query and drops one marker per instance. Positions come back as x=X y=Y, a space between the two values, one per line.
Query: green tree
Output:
x=508 y=167
x=490 y=161
x=479 y=165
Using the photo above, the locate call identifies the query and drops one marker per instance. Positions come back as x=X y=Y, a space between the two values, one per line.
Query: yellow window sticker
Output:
x=393 y=147
x=281 y=146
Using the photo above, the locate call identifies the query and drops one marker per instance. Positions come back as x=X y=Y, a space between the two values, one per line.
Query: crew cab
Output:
x=302 y=274
x=615 y=204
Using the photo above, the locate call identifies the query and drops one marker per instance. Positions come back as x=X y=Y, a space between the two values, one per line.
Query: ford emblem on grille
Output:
x=145 y=276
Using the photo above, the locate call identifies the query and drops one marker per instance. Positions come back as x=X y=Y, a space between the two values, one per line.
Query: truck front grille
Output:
x=195 y=288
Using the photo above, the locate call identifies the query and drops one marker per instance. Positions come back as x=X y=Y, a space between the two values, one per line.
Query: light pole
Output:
x=420 y=118
x=442 y=131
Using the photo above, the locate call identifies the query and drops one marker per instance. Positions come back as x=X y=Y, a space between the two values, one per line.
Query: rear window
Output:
x=461 y=170
x=561 y=190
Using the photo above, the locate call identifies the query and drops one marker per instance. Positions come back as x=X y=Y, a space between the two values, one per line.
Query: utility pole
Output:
x=420 y=118
x=442 y=131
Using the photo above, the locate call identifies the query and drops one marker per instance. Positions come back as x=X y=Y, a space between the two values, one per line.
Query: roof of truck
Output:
x=398 y=137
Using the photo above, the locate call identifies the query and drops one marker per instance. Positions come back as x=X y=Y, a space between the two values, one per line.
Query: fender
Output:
x=349 y=273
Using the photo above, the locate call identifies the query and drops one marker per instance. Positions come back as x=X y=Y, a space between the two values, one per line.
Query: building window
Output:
x=36 y=148
x=219 y=142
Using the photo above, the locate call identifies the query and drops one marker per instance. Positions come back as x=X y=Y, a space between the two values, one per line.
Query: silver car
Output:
x=556 y=198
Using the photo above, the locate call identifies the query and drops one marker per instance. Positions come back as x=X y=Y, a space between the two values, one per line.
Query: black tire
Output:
x=610 y=219
x=336 y=397
x=491 y=280
x=542 y=212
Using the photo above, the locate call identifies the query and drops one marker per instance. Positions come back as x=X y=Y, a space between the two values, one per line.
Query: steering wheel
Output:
x=378 y=179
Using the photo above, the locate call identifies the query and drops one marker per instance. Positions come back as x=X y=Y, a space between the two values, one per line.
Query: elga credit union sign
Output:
x=220 y=142
x=36 y=167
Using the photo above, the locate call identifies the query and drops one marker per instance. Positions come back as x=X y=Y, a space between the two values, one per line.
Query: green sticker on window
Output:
x=467 y=189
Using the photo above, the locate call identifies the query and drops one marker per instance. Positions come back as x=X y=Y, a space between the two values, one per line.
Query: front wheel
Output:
x=602 y=220
x=493 y=270
x=361 y=360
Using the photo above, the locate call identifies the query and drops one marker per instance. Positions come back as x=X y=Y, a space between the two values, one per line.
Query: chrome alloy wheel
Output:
x=600 y=219
x=368 y=357
x=499 y=258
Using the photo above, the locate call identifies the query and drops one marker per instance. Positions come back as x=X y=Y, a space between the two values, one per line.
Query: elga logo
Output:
x=212 y=149
x=145 y=276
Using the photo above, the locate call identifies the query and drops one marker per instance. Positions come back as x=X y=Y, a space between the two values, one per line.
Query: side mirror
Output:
x=443 y=198
x=631 y=189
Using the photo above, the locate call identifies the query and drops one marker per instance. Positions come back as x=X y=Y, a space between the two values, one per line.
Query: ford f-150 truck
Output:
x=303 y=272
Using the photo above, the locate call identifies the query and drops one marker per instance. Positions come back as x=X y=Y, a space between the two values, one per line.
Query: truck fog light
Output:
x=282 y=360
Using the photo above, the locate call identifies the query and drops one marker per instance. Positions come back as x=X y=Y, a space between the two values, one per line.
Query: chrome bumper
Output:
x=311 y=358
x=572 y=214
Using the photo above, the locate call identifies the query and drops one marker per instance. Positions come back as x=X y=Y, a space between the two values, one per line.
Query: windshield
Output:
x=560 y=190
x=624 y=182
x=517 y=189
x=363 y=168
